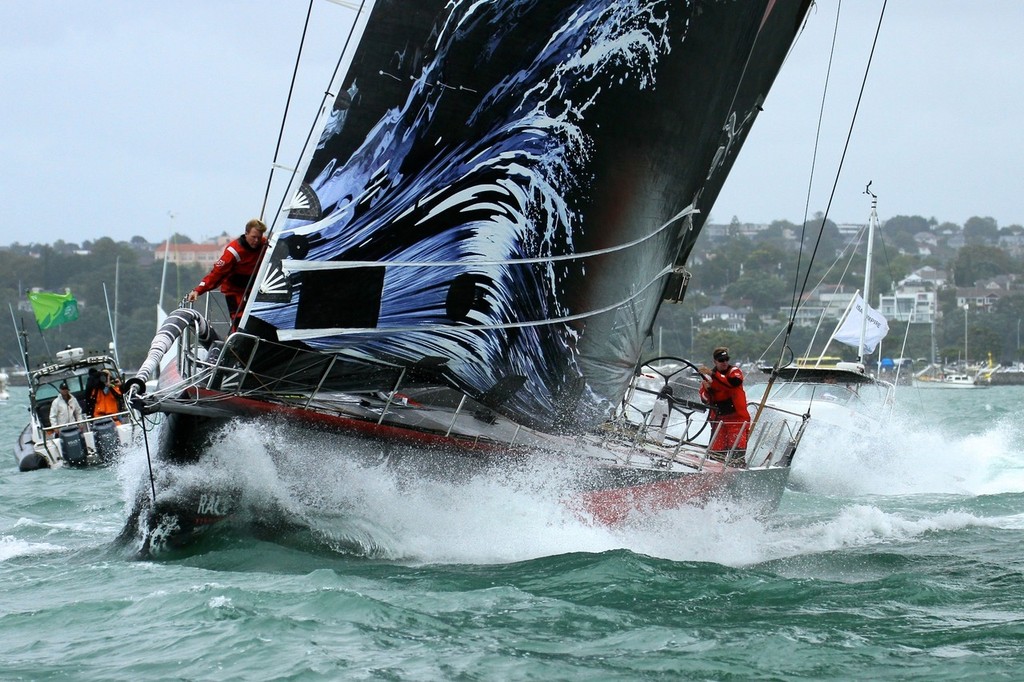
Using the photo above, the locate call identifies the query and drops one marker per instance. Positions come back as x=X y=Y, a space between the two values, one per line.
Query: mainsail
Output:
x=503 y=188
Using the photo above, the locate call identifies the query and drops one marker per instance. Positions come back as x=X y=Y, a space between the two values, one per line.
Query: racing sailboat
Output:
x=501 y=197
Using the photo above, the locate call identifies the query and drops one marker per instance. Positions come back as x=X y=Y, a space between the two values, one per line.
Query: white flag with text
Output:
x=849 y=331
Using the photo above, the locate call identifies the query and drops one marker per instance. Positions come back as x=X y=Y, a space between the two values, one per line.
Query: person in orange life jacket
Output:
x=106 y=398
x=722 y=390
x=235 y=268
x=91 y=385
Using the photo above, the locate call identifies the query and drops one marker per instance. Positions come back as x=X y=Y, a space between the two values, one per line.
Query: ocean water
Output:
x=896 y=556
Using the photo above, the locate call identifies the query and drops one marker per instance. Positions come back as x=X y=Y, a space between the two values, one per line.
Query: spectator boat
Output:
x=82 y=442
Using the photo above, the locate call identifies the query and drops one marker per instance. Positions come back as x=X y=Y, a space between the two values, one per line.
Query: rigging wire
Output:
x=309 y=136
x=798 y=296
x=842 y=159
x=795 y=306
x=287 y=108
x=328 y=95
x=814 y=161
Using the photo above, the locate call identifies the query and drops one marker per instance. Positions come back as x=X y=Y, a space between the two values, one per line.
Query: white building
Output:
x=908 y=304
x=734 y=320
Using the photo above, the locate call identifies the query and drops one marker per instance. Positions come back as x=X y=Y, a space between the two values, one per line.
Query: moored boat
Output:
x=502 y=196
x=947 y=380
x=1012 y=375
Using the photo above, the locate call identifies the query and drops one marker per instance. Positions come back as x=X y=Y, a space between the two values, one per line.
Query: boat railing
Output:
x=297 y=373
x=121 y=417
x=300 y=375
x=771 y=441
x=775 y=437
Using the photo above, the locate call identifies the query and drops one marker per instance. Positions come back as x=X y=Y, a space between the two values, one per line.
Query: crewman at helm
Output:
x=722 y=390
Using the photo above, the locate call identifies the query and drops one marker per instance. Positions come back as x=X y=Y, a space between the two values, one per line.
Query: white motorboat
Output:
x=87 y=441
x=943 y=380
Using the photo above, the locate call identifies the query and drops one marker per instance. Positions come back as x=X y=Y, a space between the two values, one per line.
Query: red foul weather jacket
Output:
x=728 y=402
x=233 y=269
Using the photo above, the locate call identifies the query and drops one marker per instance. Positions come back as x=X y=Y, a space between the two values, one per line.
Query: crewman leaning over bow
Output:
x=722 y=390
x=235 y=268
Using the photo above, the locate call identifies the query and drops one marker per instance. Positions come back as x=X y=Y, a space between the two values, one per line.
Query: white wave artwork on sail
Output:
x=494 y=208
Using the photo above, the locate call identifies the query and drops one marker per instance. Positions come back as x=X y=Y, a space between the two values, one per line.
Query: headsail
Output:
x=503 y=187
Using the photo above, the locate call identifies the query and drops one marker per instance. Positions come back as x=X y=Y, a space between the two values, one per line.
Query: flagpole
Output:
x=163 y=280
x=117 y=289
x=22 y=341
x=110 y=320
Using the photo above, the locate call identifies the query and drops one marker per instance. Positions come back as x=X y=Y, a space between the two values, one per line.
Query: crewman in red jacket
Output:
x=234 y=269
x=722 y=390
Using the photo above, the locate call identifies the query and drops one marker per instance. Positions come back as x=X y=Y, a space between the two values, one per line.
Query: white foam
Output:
x=11 y=547
x=389 y=510
x=911 y=456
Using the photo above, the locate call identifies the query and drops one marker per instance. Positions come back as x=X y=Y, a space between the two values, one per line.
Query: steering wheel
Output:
x=659 y=380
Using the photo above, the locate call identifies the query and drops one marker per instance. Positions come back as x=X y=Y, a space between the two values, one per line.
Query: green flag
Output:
x=53 y=310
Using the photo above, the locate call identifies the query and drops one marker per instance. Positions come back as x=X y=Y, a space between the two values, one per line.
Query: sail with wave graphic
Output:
x=502 y=189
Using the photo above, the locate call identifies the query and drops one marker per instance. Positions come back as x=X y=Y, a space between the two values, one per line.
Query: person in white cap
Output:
x=64 y=409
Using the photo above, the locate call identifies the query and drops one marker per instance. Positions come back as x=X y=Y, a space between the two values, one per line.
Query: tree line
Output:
x=85 y=272
x=760 y=272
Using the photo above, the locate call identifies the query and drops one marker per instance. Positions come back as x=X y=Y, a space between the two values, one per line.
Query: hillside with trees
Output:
x=745 y=281
x=749 y=269
x=85 y=269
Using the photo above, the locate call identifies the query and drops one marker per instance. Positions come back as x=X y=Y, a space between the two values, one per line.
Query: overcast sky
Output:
x=116 y=114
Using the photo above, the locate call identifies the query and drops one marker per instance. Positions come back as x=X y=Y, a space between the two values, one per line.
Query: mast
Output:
x=117 y=289
x=934 y=350
x=110 y=320
x=872 y=222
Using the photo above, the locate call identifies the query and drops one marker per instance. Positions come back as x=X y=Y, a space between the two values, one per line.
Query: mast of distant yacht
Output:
x=872 y=222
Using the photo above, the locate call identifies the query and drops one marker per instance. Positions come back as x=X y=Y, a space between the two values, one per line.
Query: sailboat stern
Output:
x=622 y=494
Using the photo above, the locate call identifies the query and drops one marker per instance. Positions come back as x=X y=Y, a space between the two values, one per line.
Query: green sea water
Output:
x=896 y=556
